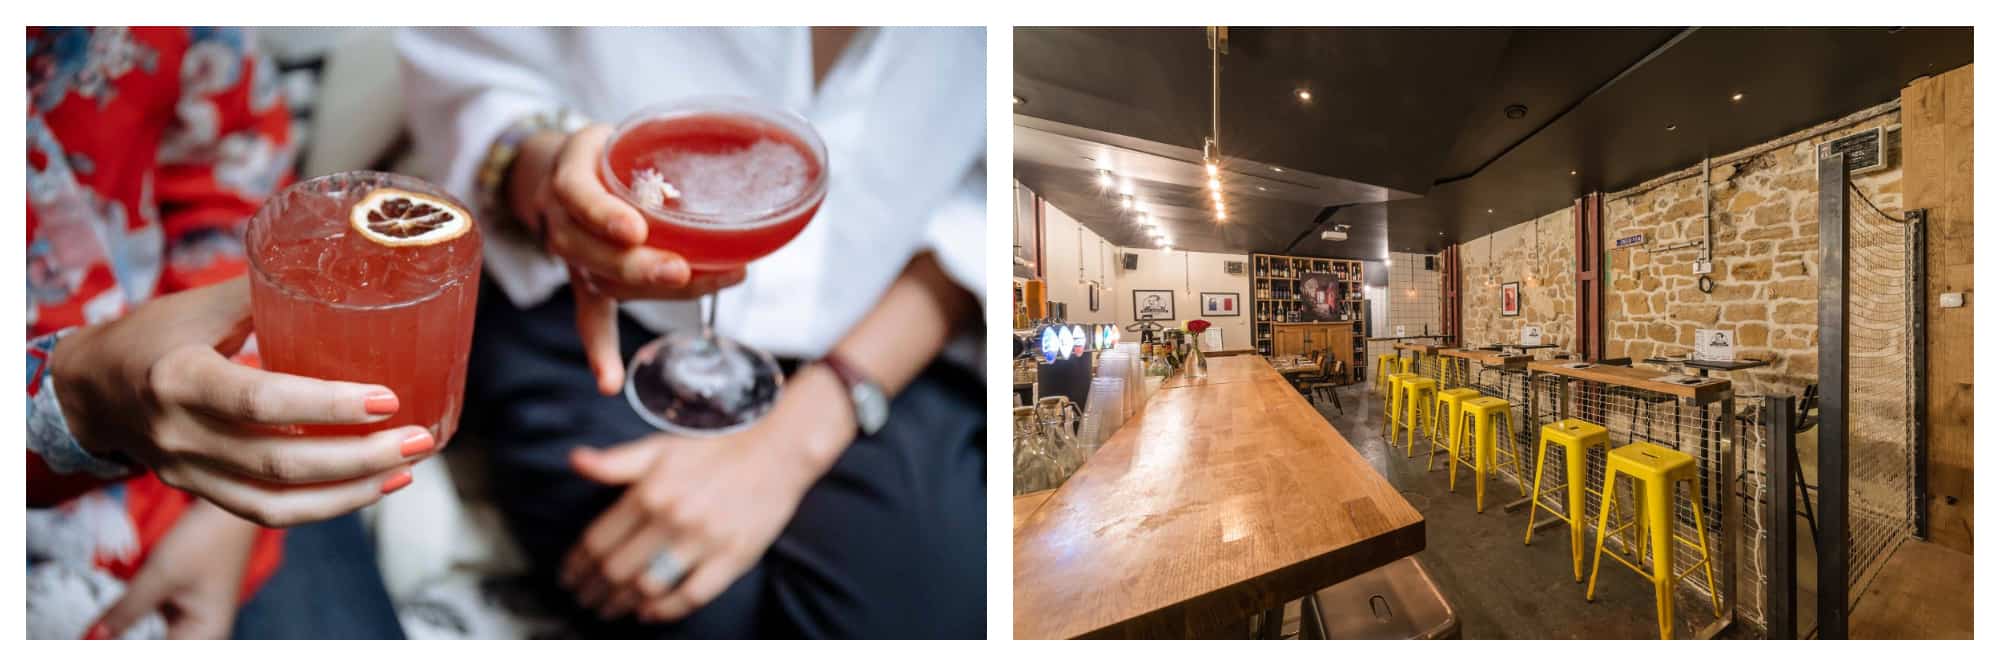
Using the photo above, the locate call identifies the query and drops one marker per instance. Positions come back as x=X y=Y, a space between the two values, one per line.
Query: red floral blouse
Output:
x=148 y=150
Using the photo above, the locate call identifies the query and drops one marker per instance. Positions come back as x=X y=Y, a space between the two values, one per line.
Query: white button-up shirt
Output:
x=902 y=113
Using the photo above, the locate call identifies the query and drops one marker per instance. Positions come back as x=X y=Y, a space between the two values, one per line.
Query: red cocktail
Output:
x=742 y=185
x=373 y=278
x=721 y=182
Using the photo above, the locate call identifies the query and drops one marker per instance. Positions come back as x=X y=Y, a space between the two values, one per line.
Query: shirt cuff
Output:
x=48 y=431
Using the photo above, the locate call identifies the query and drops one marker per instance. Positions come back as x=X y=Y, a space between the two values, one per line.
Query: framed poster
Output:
x=1322 y=293
x=1221 y=304
x=1153 y=304
x=1510 y=299
x=1093 y=297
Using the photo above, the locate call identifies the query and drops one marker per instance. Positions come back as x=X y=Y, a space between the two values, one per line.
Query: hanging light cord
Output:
x=1215 y=90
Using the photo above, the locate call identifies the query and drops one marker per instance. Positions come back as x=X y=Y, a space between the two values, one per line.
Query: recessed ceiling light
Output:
x=1572 y=172
x=1260 y=188
x=1738 y=97
x=1019 y=100
x=1672 y=127
x=1489 y=210
x=1304 y=94
x=1277 y=169
x=1104 y=178
x=1515 y=111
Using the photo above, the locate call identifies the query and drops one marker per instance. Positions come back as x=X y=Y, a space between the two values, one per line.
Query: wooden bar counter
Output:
x=1221 y=370
x=1218 y=500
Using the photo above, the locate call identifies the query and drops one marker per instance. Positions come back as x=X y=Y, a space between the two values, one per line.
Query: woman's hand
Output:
x=553 y=187
x=191 y=577
x=714 y=503
x=157 y=386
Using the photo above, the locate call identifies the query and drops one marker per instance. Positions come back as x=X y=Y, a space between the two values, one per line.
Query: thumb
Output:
x=618 y=465
x=142 y=596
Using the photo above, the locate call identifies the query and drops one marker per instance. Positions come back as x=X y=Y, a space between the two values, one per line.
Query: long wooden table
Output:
x=1637 y=378
x=1218 y=500
x=1492 y=358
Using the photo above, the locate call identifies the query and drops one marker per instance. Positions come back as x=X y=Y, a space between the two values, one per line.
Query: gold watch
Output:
x=500 y=156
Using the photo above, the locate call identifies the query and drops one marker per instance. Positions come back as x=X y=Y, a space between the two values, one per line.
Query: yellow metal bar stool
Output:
x=1445 y=422
x=1659 y=471
x=1392 y=404
x=1418 y=394
x=1576 y=437
x=1385 y=365
x=1486 y=421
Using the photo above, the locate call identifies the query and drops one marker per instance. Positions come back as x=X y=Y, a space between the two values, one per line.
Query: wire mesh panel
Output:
x=1882 y=371
x=1753 y=492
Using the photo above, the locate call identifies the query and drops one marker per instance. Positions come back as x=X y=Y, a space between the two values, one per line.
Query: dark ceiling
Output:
x=1419 y=115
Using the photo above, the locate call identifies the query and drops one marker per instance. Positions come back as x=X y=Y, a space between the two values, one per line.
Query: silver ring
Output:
x=666 y=569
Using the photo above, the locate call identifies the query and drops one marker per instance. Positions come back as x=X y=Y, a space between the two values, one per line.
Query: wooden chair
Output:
x=1325 y=383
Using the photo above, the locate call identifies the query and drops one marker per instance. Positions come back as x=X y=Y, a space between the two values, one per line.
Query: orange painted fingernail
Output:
x=395 y=483
x=380 y=403
x=418 y=444
x=97 y=633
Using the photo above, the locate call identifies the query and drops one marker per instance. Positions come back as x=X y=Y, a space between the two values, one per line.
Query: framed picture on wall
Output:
x=1510 y=299
x=1153 y=304
x=1221 y=304
x=1093 y=297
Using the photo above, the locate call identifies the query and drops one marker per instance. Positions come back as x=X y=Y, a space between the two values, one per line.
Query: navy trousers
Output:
x=326 y=587
x=891 y=543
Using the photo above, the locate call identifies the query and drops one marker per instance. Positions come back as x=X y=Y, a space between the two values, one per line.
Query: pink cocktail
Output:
x=390 y=306
x=721 y=182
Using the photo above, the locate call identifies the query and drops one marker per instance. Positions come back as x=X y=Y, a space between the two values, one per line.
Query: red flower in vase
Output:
x=1197 y=326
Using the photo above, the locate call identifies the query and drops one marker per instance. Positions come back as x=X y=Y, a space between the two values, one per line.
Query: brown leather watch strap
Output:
x=849 y=375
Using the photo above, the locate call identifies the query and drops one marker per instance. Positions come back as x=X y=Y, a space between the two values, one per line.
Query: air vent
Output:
x=1131 y=261
x=1232 y=267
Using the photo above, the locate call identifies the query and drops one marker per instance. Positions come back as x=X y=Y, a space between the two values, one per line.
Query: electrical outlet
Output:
x=1703 y=267
x=1951 y=299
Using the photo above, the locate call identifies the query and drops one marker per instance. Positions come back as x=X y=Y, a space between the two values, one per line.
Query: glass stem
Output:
x=708 y=323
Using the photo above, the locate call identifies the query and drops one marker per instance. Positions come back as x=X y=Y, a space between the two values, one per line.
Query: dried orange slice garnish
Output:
x=400 y=218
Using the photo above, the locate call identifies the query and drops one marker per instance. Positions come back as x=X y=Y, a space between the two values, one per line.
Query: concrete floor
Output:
x=1500 y=587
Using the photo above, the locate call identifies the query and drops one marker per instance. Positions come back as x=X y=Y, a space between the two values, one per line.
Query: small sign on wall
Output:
x=1629 y=241
x=1531 y=335
x=1402 y=331
x=1714 y=344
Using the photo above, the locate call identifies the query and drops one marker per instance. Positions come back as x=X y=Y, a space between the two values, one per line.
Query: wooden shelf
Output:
x=1289 y=270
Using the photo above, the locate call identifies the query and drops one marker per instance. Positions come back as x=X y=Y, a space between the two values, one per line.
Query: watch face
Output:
x=871 y=408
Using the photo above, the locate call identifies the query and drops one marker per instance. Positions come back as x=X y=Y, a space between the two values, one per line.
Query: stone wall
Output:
x=1539 y=254
x=1766 y=227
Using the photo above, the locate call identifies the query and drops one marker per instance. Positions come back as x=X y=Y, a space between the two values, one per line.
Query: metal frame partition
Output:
x=1833 y=418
